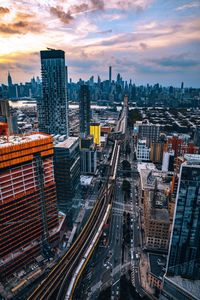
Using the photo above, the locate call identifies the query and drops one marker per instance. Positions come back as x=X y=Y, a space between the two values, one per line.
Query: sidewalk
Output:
x=143 y=266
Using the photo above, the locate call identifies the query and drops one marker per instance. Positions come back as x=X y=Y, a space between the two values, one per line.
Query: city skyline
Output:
x=145 y=40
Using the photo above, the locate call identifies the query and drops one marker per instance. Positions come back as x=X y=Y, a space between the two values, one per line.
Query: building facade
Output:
x=95 y=131
x=7 y=117
x=156 y=215
x=88 y=161
x=84 y=110
x=149 y=132
x=88 y=155
x=67 y=173
x=28 y=212
x=184 y=252
x=52 y=107
x=143 y=152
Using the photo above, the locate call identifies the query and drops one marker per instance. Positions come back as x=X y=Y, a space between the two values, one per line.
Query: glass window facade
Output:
x=184 y=253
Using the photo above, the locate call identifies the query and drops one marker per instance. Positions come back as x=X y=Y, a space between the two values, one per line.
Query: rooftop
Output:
x=192 y=287
x=192 y=159
x=160 y=214
x=157 y=264
x=20 y=139
x=68 y=143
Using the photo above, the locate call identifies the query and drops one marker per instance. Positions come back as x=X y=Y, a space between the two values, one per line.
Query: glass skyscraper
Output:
x=184 y=252
x=52 y=107
x=182 y=278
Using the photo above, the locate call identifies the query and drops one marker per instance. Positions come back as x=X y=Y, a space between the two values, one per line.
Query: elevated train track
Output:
x=62 y=279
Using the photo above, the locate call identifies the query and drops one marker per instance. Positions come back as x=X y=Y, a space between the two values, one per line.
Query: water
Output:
x=18 y=104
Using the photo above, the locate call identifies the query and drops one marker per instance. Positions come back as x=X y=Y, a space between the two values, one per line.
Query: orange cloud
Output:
x=4 y=10
x=65 y=17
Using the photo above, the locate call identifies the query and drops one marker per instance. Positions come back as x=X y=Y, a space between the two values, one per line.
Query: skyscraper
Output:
x=110 y=74
x=67 y=173
x=52 y=107
x=84 y=110
x=11 y=87
x=184 y=252
x=9 y=80
x=182 y=278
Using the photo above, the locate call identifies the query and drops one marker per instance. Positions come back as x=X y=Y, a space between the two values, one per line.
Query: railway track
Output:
x=61 y=274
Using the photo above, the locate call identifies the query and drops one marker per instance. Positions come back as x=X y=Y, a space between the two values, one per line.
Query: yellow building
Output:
x=95 y=131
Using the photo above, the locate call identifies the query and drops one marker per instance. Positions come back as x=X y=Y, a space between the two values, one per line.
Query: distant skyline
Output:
x=147 y=41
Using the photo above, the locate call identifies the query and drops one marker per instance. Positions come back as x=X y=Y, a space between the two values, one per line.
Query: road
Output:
x=115 y=244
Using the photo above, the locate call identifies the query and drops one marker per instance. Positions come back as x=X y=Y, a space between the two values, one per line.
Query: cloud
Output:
x=188 y=5
x=4 y=10
x=20 y=27
x=176 y=61
x=22 y=23
x=136 y=5
x=143 y=46
x=83 y=7
x=105 y=31
x=98 y=4
x=65 y=17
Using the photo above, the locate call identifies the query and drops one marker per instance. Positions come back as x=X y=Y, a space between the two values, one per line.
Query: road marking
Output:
x=116 y=282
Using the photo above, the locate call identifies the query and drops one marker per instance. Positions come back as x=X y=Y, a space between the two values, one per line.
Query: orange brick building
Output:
x=28 y=214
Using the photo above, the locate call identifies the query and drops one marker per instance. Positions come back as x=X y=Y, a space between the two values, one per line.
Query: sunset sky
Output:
x=147 y=40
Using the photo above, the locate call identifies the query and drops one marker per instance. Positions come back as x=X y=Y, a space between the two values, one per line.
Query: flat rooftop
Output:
x=192 y=159
x=20 y=139
x=68 y=143
x=157 y=264
x=192 y=287
x=160 y=214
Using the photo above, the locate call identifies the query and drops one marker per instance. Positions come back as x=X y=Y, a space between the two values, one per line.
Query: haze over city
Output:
x=146 y=40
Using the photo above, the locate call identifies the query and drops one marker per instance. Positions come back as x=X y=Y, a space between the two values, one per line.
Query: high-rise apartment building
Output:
x=84 y=110
x=29 y=222
x=184 y=253
x=52 y=107
x=88 y=155
x=67 y=173
x=149 y=132
x=182 y=278
x=110 y=74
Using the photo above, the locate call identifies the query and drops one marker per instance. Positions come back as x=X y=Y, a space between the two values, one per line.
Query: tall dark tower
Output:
x=9 y=80
x=10 y=86
x=110 y=74
x=84 y=110
x=52 y=108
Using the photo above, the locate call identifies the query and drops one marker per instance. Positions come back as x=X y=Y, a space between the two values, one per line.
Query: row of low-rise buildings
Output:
x=160 y=148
